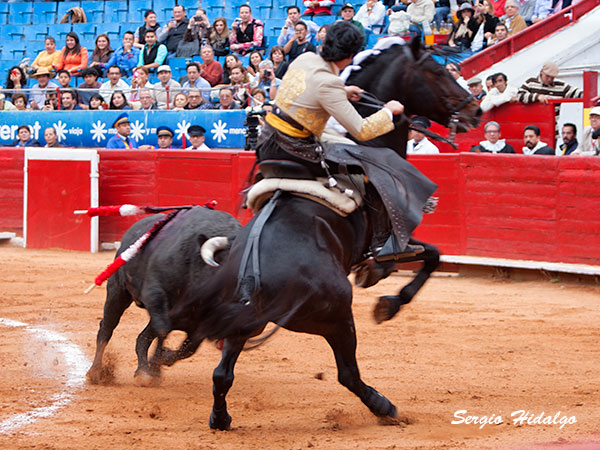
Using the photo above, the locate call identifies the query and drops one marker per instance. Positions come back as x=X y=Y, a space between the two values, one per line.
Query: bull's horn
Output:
x=210 y=247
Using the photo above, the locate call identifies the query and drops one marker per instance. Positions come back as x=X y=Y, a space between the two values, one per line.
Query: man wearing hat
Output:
x=546 y=86
x=347 y=13
x=160 y=88
x=589 y=144
x=418 y=143
x=196 y=133
x=37 y=97
x=476 y=88
x=121 y=139
x=165 y=137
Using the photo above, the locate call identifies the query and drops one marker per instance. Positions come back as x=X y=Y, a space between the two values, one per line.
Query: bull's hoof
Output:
x=143 y=378
x=387 y=307
x=220 y=421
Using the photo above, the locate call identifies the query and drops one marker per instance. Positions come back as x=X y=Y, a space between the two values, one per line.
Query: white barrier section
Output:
x=77 y=365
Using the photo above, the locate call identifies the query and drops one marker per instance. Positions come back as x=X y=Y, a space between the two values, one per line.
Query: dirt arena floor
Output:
x=482 y=345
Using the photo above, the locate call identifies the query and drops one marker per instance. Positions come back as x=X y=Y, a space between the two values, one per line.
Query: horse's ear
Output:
x=415 y=47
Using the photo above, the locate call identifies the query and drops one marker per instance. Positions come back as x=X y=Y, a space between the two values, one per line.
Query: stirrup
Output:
x=370 y=272
x=391 y=252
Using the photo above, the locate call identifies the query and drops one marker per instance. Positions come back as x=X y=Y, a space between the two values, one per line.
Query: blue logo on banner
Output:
x=224 y=129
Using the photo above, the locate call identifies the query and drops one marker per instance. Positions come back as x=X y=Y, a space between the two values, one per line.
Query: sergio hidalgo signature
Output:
x=519 y=417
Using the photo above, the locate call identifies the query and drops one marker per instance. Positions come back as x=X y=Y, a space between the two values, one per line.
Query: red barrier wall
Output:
x=509 y=206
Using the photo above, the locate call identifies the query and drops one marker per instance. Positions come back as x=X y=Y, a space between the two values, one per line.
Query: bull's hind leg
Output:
x=117 y=301
x=222 y=381
x=389 y=305
x=145 y=375
x=343 y=344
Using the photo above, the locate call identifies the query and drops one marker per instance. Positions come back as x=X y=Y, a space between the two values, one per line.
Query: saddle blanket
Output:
x=317 y=190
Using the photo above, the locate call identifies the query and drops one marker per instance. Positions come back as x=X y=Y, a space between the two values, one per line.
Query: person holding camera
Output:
x=299 y=44
x=247 y=33
x=266 y=79
x=200 y=26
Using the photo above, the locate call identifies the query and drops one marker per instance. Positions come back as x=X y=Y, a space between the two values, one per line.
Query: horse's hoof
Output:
x=223 y=422
x=94 y=376
x=386 y=308
x=145 y=379
x=100 y=375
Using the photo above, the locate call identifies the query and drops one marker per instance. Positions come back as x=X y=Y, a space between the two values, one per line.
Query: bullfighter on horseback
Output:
x=310 y=93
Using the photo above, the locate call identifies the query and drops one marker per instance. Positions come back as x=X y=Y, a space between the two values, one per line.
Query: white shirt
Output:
x=375 y=18
x=106 y=90
x=202 y=147
x=423 y=147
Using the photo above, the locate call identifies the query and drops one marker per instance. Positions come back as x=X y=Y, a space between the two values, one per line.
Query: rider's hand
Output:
x=353 y=93
x=395 y=107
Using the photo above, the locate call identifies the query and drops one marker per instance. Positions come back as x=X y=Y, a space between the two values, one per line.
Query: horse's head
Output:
x=426 y=88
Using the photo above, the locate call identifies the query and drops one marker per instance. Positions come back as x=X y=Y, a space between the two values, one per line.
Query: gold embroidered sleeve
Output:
x=375 y=125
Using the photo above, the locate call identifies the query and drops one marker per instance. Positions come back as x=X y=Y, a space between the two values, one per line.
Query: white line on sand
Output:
x=77 y=365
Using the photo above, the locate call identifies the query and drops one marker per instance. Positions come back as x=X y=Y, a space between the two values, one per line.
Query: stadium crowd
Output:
x=137 y=73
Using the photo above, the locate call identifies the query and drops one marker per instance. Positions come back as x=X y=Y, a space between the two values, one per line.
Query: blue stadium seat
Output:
x=13 y=50
x=86 y=33
x=163 y=10
x=219 y=9
x=11 y=33
x=178 y=64
x=278 y=12
x=44 y=13
x=190 y=5
x=324 y=20
x=3 y=13
x=35 y=32
x=94 y=11
x=59 y=32
x=6 y=64
x=113 y=30
x=137 y=9
x=20 y=13
x=115 y=11
x=63 y=7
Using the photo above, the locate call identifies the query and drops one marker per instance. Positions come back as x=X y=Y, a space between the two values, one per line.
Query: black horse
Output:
x=306 y=251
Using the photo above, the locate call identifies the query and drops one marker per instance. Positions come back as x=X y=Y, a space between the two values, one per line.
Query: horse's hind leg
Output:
x=343 y=344
x=222 y=381
x=117 y=301
x=389 y=305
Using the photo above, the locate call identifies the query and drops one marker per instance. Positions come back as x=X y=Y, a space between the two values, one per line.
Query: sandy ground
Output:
x=481 y=344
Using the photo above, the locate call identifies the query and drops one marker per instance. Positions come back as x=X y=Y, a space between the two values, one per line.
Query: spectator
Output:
x=16 y=80
x=569 y=140
x=371 y=13
x=461 y=35
x=101 y=54
x=596 y=144
x=266 y=79
x=253 y=62
x=542 y=9
x=280 y=65
x=37 y=96
x=51 y=138
x=165 y=88
x=455 y=71
x=239 y=84
x=513 y=21
x=533 y=144
x=489 y=82
x=247 y=33
x=418 y=143
x=289 y=28
x=51 y=102
x=196 y=101
x=73 y=57
x=139 y=81
x=500 y=33
x=153 y=54
x=47 y=58
x=226 y=99
x=20 y=101
x=501 y=93
x=210 y=69
x=317 y=7
x=442 y=11
x=420 y=11
x=588 y=142
x=258 y=97
x=492 y=143
x=175 y=29
x=164 y=137
x=180 y=102
x=24 y=138
x=89 y=87
x=230 y=62
x=150 y=23
x=5 y=105
x=146 y=100
x=197 y=138
x=321 y=35
x=118 y=101
x=68 y=100
x=200 y=26
x=114 y=83
x=483 y=24
x=526 y=10
x=219 y=37
x=298 y=44
x=96 y=102
x=126 y=57
x=121 y=139
x=189 y=46
x=347 y=13
x=64 y=79
x=476 y=88
x=195 y=80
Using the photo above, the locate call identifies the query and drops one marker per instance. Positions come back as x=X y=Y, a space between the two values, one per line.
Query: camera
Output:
x=47 y=102
x=267 y=73
x=252 y=123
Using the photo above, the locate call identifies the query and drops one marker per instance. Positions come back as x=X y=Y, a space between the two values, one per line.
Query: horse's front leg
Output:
x=222 y=381
x=389 y=305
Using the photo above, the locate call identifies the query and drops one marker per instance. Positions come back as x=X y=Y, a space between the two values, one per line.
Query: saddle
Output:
x=295 y=178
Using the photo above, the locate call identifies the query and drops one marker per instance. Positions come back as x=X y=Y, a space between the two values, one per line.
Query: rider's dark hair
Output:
x=343 y=40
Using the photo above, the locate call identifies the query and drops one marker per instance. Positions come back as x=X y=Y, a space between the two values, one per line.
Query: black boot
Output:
x=390 y=251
